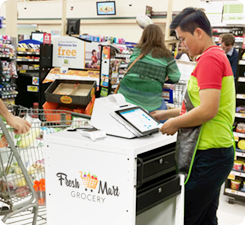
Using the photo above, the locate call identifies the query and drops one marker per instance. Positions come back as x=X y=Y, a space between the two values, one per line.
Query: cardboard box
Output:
x=71 y=92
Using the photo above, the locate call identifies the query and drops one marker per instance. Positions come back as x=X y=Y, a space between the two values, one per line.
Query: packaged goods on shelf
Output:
x=241 y=144
x=240 y=109
x=240 y=127
x=235 y=184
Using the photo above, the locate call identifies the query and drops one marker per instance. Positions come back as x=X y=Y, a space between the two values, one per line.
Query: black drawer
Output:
x=156 y=192
x=159 y=162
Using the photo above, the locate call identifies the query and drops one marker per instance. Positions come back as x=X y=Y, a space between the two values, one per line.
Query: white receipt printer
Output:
x=117 y=117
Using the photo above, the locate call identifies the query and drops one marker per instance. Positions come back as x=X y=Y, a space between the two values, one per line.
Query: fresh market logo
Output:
x=89 y=181
x=91 y=189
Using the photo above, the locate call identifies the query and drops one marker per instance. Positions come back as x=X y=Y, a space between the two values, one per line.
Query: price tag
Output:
x=32 y=88
x=31 y=60
x=242 y=79
x=233 y=192
x=22 y=71
x=231 y=177
x=236 y=138
x=239 y=96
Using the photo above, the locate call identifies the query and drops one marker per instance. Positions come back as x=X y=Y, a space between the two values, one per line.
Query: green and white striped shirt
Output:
x=144 y=81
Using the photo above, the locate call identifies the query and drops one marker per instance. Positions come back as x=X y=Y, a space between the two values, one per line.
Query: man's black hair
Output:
x=189 y=19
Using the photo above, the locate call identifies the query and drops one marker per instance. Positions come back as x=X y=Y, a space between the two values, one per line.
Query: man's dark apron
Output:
x=188 y=141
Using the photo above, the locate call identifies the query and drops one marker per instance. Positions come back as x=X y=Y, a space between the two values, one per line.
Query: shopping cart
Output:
x=22 y=165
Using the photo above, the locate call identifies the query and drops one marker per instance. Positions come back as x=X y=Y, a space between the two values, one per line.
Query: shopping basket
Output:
x=22 y=163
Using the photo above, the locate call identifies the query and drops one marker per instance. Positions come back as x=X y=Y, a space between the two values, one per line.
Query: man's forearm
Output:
x=193 y=118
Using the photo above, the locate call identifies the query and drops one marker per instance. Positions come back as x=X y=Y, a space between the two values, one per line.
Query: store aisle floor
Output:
x=228 y=214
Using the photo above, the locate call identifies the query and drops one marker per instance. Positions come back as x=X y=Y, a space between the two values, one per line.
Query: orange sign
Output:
x=66 y=99
x=92 y=92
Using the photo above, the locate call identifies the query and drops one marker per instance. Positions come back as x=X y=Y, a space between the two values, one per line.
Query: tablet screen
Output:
x=140 y=119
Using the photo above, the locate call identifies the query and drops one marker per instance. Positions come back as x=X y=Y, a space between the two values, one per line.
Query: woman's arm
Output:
x=165 y=114
x=172 y=70
x=20 y=125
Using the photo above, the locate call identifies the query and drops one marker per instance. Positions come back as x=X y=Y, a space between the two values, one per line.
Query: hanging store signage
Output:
x=233 y=12
x=148 y=11
x=47 y=38
x=236 y=31
x=68 y=52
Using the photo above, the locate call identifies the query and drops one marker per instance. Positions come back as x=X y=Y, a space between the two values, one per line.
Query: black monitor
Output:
x=73 y=26
x=106 y=8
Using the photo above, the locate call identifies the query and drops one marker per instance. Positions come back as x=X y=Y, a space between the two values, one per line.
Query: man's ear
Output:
x=199 y=33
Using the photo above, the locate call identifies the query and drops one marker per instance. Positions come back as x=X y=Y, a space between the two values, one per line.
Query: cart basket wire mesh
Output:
x=22 y=164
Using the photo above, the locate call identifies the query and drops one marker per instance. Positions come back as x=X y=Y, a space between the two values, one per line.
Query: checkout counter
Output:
x=114 y=180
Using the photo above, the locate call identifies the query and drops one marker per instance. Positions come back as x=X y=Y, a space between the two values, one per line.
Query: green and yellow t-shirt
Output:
x=213 y=71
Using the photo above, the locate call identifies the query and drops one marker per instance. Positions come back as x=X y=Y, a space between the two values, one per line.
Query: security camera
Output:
x=130 y=3
x=207 y=1
x=72 y=6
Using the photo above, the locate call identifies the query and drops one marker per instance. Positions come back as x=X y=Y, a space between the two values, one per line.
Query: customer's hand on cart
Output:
x=20 y=125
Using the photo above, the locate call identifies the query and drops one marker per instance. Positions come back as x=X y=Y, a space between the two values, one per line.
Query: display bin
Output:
x=81 y=92
x=59 y=115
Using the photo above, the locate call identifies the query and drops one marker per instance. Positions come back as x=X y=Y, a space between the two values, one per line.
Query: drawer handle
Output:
x=160 y=190
x=161 y=161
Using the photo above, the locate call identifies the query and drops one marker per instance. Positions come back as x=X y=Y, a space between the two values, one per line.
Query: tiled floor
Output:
x=26 y=218
x=228 y=214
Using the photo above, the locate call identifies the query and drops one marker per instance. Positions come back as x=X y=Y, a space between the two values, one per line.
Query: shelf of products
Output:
x=27 y=60
x=235 y=184
x=234 y=192
x=8 y=73
x=113 y=67
x=28 y=53
x=28 y=56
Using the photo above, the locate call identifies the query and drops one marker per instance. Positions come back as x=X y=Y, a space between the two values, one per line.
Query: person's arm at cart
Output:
x=209 y=80
x=197 y=116
x=165 y=114
x=173 y=72
x=20 y=126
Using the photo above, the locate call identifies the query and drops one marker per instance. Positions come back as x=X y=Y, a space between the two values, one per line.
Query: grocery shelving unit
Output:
x=8 y=73
x=239 y=118
x=28 y=82
x=114 y=68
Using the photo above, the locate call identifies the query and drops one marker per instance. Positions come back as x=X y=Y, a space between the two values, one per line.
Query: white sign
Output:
x=234 y=12
x=213 y=10
x=68 y=52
